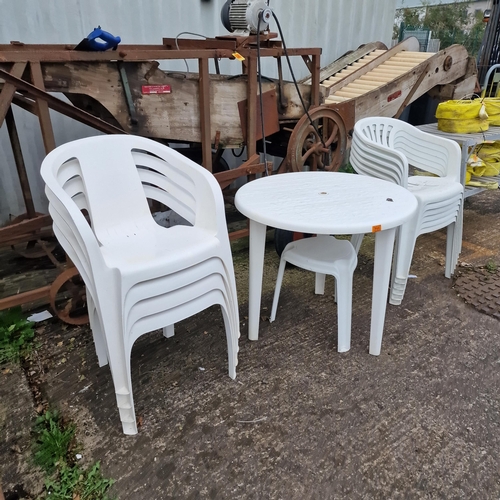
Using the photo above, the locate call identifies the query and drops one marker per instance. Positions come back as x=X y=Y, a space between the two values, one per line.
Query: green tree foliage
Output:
x=451 y=23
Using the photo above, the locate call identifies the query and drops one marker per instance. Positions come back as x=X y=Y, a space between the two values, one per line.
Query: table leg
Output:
x=384 y=245
x=256 y=269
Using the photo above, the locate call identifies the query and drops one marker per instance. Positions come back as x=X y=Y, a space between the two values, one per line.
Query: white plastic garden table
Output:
x=325 y=203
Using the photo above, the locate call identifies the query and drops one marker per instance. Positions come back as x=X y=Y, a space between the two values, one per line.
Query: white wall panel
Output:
x=335 y=25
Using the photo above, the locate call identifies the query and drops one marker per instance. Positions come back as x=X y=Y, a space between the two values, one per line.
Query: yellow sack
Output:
x=489 y=154
x=468 y=175
x=492 y=105
x=462 y=117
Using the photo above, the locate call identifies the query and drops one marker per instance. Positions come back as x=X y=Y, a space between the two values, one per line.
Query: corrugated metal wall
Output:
x=335 y=25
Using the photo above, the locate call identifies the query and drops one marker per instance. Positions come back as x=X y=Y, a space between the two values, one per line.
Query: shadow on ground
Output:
x=300 y=421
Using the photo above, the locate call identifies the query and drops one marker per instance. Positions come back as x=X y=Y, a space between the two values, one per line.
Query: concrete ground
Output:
x=421 y=420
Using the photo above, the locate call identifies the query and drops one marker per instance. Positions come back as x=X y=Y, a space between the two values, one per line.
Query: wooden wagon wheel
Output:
x=68 y=297
x=319 y=147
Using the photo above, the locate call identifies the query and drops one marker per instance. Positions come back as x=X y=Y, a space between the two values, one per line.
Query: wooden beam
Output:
x=8 y=90
x=20 y=165
x=251 y=110
x=23 y=298
x=49 y=141
x=204 y=90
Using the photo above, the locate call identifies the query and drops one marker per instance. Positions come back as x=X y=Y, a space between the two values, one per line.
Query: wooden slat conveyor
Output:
x=384 y=81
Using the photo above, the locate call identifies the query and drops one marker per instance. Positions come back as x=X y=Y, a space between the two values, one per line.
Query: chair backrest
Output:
x=111 y=178
x=401 y=145
x=105 y=174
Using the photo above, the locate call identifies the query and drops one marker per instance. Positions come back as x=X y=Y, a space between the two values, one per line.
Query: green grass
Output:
x=53 y=441
x=75 y=482
x=54 y=452
x=491 y=266
x=55 y=446
x=16 y=336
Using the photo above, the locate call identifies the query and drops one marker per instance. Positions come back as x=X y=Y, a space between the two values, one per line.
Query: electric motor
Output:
x=242 y=16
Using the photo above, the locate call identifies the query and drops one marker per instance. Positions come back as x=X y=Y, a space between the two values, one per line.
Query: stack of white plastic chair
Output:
x=324 y=255
x=387 y=148
x=139 y=275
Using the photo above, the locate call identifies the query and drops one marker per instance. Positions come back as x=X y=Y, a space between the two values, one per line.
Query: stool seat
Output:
x=324 y=255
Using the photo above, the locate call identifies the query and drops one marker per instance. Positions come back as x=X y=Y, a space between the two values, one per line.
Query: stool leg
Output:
x=168 y=331
x=343 y=284
x=277 y=288
x=319 y=284
x=356 y=240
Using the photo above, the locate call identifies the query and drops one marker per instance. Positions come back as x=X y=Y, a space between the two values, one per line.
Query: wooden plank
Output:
x=346 y=60
x=25 y=227
x=386 y=100
x=250 y=167
x=25 y=238
x=25 y=297
x=235 y=235
x=61 y=106
x=173 y=116
x=408 y=44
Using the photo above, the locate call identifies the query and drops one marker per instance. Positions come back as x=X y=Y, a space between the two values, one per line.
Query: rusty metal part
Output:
x=321 y=147
x=74 y=298
x=128 y=93
x=480 y=288
x=151 y=71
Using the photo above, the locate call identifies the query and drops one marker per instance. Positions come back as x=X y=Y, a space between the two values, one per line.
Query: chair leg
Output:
x=97 y=332
x=319 y=284
x=277 y=288
x=344 y=309
x=453 y=243
x=119 y=362
x=402 y=261
x=232 y=336
x=168 y=331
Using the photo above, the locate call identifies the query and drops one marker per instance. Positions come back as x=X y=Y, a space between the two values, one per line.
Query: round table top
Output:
x=325 y=202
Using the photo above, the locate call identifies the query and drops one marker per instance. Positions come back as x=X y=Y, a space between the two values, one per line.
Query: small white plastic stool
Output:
x=324 y=255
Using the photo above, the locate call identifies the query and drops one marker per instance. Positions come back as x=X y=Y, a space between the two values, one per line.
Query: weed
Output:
x=53 y=440
x=74 y=482
x=16 y=336
x=491 y=266
x=347 y=168
x=54 y=451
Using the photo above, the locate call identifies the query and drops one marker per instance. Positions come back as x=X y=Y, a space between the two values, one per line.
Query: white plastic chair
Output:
x=139 y=275
x=324 y=255
x=386 y=148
